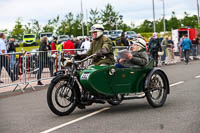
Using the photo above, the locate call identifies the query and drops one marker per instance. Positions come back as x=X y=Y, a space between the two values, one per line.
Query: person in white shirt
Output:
x=4 y=62
x=85 y=45
x=3 y=49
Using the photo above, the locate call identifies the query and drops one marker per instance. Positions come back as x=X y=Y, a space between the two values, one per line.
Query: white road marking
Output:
x=73 y=121
x=176 y=83
x=197 y=77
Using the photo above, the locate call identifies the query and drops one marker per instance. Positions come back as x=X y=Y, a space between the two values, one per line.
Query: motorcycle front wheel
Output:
x=61 y=97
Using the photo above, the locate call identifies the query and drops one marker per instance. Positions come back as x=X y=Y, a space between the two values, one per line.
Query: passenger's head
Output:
x=97 y=31
x=138 y=44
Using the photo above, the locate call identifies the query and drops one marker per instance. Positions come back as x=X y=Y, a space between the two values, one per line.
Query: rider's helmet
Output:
x=97 y=30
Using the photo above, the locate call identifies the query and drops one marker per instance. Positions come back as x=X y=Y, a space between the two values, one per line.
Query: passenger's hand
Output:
x=129 y=56
x=121 y=60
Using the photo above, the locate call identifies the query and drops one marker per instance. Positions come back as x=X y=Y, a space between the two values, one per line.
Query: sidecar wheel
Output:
x=156 y=94
x=61 y=97
x=116 y=100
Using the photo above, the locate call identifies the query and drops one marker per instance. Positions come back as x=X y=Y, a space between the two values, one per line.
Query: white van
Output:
x=49 y=35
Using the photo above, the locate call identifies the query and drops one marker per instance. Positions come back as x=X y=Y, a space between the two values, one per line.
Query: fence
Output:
x=17 y=69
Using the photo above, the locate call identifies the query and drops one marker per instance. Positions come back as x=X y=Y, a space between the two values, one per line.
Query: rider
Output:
x=101 y=46
x=137 y=56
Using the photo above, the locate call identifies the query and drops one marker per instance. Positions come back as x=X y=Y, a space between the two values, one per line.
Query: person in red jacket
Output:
x=68 y=45
x=53 y=45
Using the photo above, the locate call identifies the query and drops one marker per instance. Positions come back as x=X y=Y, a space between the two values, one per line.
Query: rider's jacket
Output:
x=102 y=46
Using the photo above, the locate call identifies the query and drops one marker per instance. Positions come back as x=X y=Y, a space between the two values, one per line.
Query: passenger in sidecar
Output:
x=136 y=56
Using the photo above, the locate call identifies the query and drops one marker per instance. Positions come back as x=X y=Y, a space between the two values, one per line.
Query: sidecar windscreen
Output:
x=122 y=54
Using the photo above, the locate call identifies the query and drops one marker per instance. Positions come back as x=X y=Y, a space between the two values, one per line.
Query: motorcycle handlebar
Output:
x=85 y=58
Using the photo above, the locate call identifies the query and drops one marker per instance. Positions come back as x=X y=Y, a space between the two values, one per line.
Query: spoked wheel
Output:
x=156 y=94
x=61 y=97
x=116 y=100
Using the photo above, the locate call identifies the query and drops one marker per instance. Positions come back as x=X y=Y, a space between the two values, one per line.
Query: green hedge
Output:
x=149 y=34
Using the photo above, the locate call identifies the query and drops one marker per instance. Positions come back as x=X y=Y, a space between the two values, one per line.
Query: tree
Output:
x=66 y=25
x=190 y=21
x=52 y=25
x=94 y=17
x=27 y=28
x=109 y=17
x=36 y=28
x=173 y=22
x=18 y=30
x=77 y=25
x=147 y=26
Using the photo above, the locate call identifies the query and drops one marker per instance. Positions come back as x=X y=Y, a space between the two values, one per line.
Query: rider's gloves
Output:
x=102 y=52
x=80 y=57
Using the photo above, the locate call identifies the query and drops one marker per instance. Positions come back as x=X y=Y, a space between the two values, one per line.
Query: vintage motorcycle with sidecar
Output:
x=81 y=87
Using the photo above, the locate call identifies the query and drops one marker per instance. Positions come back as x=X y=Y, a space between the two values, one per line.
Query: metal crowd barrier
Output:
x=18 y=69
x=11 y=73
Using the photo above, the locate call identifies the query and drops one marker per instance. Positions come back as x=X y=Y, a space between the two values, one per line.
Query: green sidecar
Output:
x=99 y=84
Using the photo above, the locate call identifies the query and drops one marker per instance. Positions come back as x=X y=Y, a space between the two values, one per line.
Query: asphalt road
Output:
x=29 y=113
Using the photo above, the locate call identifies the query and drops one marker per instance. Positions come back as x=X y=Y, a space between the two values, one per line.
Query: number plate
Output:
x=85 y=76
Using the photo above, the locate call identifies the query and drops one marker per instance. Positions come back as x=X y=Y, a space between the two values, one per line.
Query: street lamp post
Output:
x=198 y=12
x=82 y=18
x=154 y=24
x=164 y=25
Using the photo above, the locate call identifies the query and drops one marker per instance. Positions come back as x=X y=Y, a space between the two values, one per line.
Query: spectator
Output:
x=181 y=48
x=186 y=45
x=59 y=49
x=4 y=58
x=170 y=51
x=60 y=46
x=12 y=50
x=85 y=45
x=124 y=41
x=68 y=45
x=53 y=45
x=154 y=47
x=43 y=58
x=195 y=44
x=164 y=45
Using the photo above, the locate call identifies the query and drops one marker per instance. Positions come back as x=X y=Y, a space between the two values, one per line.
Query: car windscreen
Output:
x=64 y=37
x=29 y=36
x=129 y=33
x=47 y=35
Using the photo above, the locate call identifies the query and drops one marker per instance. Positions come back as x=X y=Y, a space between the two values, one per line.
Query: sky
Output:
x=135 y=11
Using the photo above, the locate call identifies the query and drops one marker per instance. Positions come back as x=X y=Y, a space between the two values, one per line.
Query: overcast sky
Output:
x=132 y=10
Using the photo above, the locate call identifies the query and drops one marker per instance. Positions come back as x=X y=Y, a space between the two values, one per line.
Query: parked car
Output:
x=29 y=40
x=130 y=34
x=106 y=33
x=63 y=38
x=114 y=34
x=49 y=35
